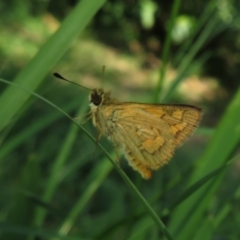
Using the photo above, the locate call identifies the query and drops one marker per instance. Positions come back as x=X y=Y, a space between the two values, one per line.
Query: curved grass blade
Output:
x=33 y=74
x=149 y=209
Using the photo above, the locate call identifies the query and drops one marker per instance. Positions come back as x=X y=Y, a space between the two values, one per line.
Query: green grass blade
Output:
x=32 y=75
x=227 y=208
x=224 y=141
x=132 y=187
x=99 y=174
x=23 y=208
x=208 y=12
x=196 y=186
x=166 y=48
x=187 y=60
x=27 y=231
x=32 y=129
x=58 y=164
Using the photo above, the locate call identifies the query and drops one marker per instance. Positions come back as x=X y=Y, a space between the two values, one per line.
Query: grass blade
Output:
x=217 y=152
x=32 y=75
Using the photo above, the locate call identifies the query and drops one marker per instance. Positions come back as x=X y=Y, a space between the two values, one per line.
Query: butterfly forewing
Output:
x=182 y=119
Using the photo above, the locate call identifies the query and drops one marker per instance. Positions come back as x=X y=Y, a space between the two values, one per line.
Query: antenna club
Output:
x=59 y=76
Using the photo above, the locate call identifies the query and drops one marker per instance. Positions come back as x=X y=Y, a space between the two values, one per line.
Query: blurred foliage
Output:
x=121 y=23
x=132 y=25
x=51 y=184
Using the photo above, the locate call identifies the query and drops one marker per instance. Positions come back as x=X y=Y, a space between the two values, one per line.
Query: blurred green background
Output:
x=52 y=184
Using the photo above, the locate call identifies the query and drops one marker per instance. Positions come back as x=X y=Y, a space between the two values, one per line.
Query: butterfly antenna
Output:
x=59 y=76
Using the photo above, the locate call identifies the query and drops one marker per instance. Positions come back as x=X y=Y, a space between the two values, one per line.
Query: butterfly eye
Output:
x=96 y=99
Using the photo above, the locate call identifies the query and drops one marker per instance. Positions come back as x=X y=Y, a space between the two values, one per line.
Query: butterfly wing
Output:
x=149 y=134
x=182 y=119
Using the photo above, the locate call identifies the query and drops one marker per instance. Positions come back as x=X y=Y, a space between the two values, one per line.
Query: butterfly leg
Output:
x=85 y=120
x=89 y=113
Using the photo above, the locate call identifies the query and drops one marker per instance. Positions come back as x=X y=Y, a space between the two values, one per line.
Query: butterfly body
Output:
x=147 y=133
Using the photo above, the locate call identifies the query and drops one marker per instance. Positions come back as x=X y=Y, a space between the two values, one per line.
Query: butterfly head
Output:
x=98 y=97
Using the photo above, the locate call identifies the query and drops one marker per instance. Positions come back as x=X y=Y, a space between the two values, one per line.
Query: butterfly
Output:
x=148 y=134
